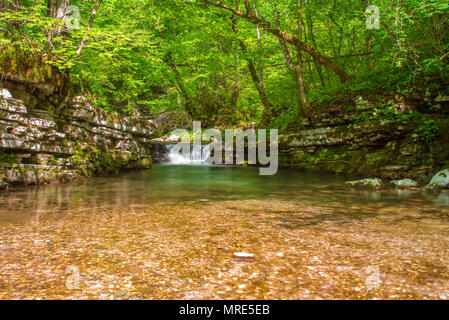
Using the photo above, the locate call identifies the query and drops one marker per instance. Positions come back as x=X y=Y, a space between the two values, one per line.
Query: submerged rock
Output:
x=439 y=181
x=404 y=184
x=243 y=256
x=442 y=198
x=120 y=294
x=365 y=184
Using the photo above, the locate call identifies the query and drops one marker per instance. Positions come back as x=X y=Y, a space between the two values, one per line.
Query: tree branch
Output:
x=322 y=59
x=89 y=26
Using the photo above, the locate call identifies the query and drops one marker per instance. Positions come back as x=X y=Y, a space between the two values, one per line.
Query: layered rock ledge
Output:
x=385 y=149
x=39 y=146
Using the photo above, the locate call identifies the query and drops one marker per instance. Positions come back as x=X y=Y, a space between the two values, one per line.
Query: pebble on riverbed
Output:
x=120 y=294
x=243 y=257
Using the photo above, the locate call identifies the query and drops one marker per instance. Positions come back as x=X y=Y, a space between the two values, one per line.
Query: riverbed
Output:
x=171 y=233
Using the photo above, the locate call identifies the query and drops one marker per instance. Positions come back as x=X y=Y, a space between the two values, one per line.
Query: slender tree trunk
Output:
x=259 y=48
x=14 y=5
x=180 y=85
x=56 y=8
x=254 y=75
x=89 y=26
x=10 y=5
x=251 y=17
x=369 y=47
x=286 y=53
x=302 y=91
x=311 y=30
x=295 y=71
x=237 y=81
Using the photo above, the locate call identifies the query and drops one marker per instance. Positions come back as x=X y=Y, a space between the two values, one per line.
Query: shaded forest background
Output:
x=231 y=63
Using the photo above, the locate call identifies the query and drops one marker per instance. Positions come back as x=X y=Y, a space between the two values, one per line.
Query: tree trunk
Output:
x=369 y=46
x=311 y=30
x=10 y=5
x=302 y=91
x=286 y=53
x=251 y=17
x=89 y=26
x=253 y=72
x=259 y=48
x=180 y=85
x=56 y=8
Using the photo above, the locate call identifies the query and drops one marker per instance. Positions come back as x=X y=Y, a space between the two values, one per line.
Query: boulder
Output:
x=439 y=181
x=366 y=184
x=404 y=184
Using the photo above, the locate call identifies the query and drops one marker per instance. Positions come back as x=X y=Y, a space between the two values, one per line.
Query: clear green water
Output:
x=174 y=184
x=171 y=233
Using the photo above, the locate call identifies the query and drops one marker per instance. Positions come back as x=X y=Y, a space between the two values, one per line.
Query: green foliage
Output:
x=8 y=158
x=145 y=57
x=422 y=125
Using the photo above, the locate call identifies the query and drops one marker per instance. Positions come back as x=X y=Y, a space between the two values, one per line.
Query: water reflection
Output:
x=171 y=232
x=183 y=184
x=442 y=198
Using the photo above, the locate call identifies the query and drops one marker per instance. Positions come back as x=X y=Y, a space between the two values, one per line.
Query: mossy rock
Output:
x=366 y=184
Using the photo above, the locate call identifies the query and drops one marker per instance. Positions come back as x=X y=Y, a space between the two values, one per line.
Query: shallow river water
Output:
x=171 y=233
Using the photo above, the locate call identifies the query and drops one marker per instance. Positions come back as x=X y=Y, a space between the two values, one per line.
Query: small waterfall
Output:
x=198 y=154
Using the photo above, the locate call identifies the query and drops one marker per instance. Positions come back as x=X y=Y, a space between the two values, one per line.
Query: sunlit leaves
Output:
x=125 y=61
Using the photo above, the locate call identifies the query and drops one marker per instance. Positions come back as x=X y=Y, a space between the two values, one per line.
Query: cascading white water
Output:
x=197 y=155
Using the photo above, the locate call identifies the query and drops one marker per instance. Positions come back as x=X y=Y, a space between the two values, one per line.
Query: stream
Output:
x=171 y=233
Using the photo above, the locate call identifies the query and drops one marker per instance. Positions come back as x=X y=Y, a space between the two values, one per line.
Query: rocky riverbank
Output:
x=40 y=145
x=341 y=143
x=45 y=139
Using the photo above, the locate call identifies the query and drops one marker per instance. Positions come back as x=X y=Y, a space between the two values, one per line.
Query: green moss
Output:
x=378 y=158
x=9 y=158
x=443 y=127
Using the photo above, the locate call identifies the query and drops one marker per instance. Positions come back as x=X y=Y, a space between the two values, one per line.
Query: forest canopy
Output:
x=230 y=63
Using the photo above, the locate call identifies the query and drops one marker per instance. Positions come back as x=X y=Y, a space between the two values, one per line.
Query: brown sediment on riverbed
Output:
x=169 y=251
